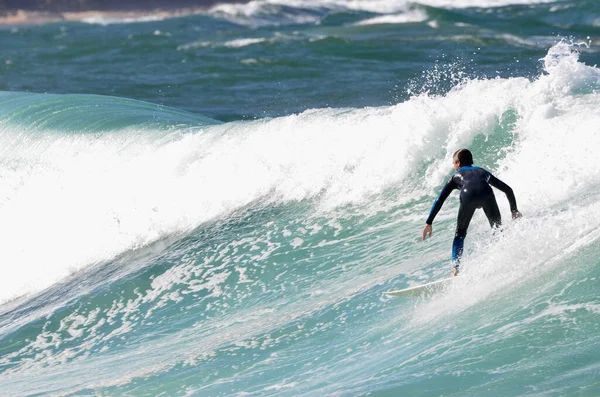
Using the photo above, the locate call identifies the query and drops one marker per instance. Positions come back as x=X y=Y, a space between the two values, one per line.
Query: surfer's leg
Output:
x=465 y=214
x=490 y=207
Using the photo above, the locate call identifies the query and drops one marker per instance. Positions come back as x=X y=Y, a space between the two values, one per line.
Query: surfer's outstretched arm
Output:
x=437 y=206
x=510 y=195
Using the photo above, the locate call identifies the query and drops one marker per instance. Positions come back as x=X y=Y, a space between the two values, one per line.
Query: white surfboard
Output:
x=420 y=290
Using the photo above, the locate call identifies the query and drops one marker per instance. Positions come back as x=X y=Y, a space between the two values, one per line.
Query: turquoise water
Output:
x=213 y=205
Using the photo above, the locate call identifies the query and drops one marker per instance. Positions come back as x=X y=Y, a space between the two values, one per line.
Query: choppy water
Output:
x=213 y=205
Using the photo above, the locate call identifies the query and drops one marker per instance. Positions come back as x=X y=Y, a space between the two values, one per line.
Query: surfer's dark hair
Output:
x=464 y=157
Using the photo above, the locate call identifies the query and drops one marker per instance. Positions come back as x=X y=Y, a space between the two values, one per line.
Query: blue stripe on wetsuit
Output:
x=457 y=249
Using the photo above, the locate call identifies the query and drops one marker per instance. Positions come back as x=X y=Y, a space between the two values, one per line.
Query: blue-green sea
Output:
x=214 y=204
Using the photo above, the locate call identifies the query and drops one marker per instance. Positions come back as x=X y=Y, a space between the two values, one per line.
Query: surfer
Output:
x=475 y=192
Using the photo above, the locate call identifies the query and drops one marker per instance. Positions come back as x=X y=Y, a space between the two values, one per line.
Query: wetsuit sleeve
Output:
x=437 y=204
x=498 y=184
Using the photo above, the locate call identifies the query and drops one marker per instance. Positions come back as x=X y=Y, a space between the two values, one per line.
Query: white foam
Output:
x=236 y=43
x=408 y=17
x=244 y=42
x=558 y=142
x=108 y=20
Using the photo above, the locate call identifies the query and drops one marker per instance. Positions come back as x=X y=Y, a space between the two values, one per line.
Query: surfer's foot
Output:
x=455 y=271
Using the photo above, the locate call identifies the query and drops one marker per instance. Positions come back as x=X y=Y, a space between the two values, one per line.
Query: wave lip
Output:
x=92 y=113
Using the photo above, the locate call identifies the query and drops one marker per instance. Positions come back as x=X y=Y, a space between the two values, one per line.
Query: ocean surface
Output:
x=214 y=204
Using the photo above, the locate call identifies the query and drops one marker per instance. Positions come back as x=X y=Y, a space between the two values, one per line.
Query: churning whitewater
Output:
x=152 y=250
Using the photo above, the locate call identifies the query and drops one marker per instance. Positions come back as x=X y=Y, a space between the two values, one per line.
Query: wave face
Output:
x=150 y=250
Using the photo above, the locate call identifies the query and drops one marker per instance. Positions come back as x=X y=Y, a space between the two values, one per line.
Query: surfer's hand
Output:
x=428 y=230
x=516 y=214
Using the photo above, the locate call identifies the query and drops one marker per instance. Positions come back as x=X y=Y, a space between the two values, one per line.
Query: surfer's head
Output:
x=461 y=158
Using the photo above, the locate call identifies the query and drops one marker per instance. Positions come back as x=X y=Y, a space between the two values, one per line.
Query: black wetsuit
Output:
x=475 y=192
